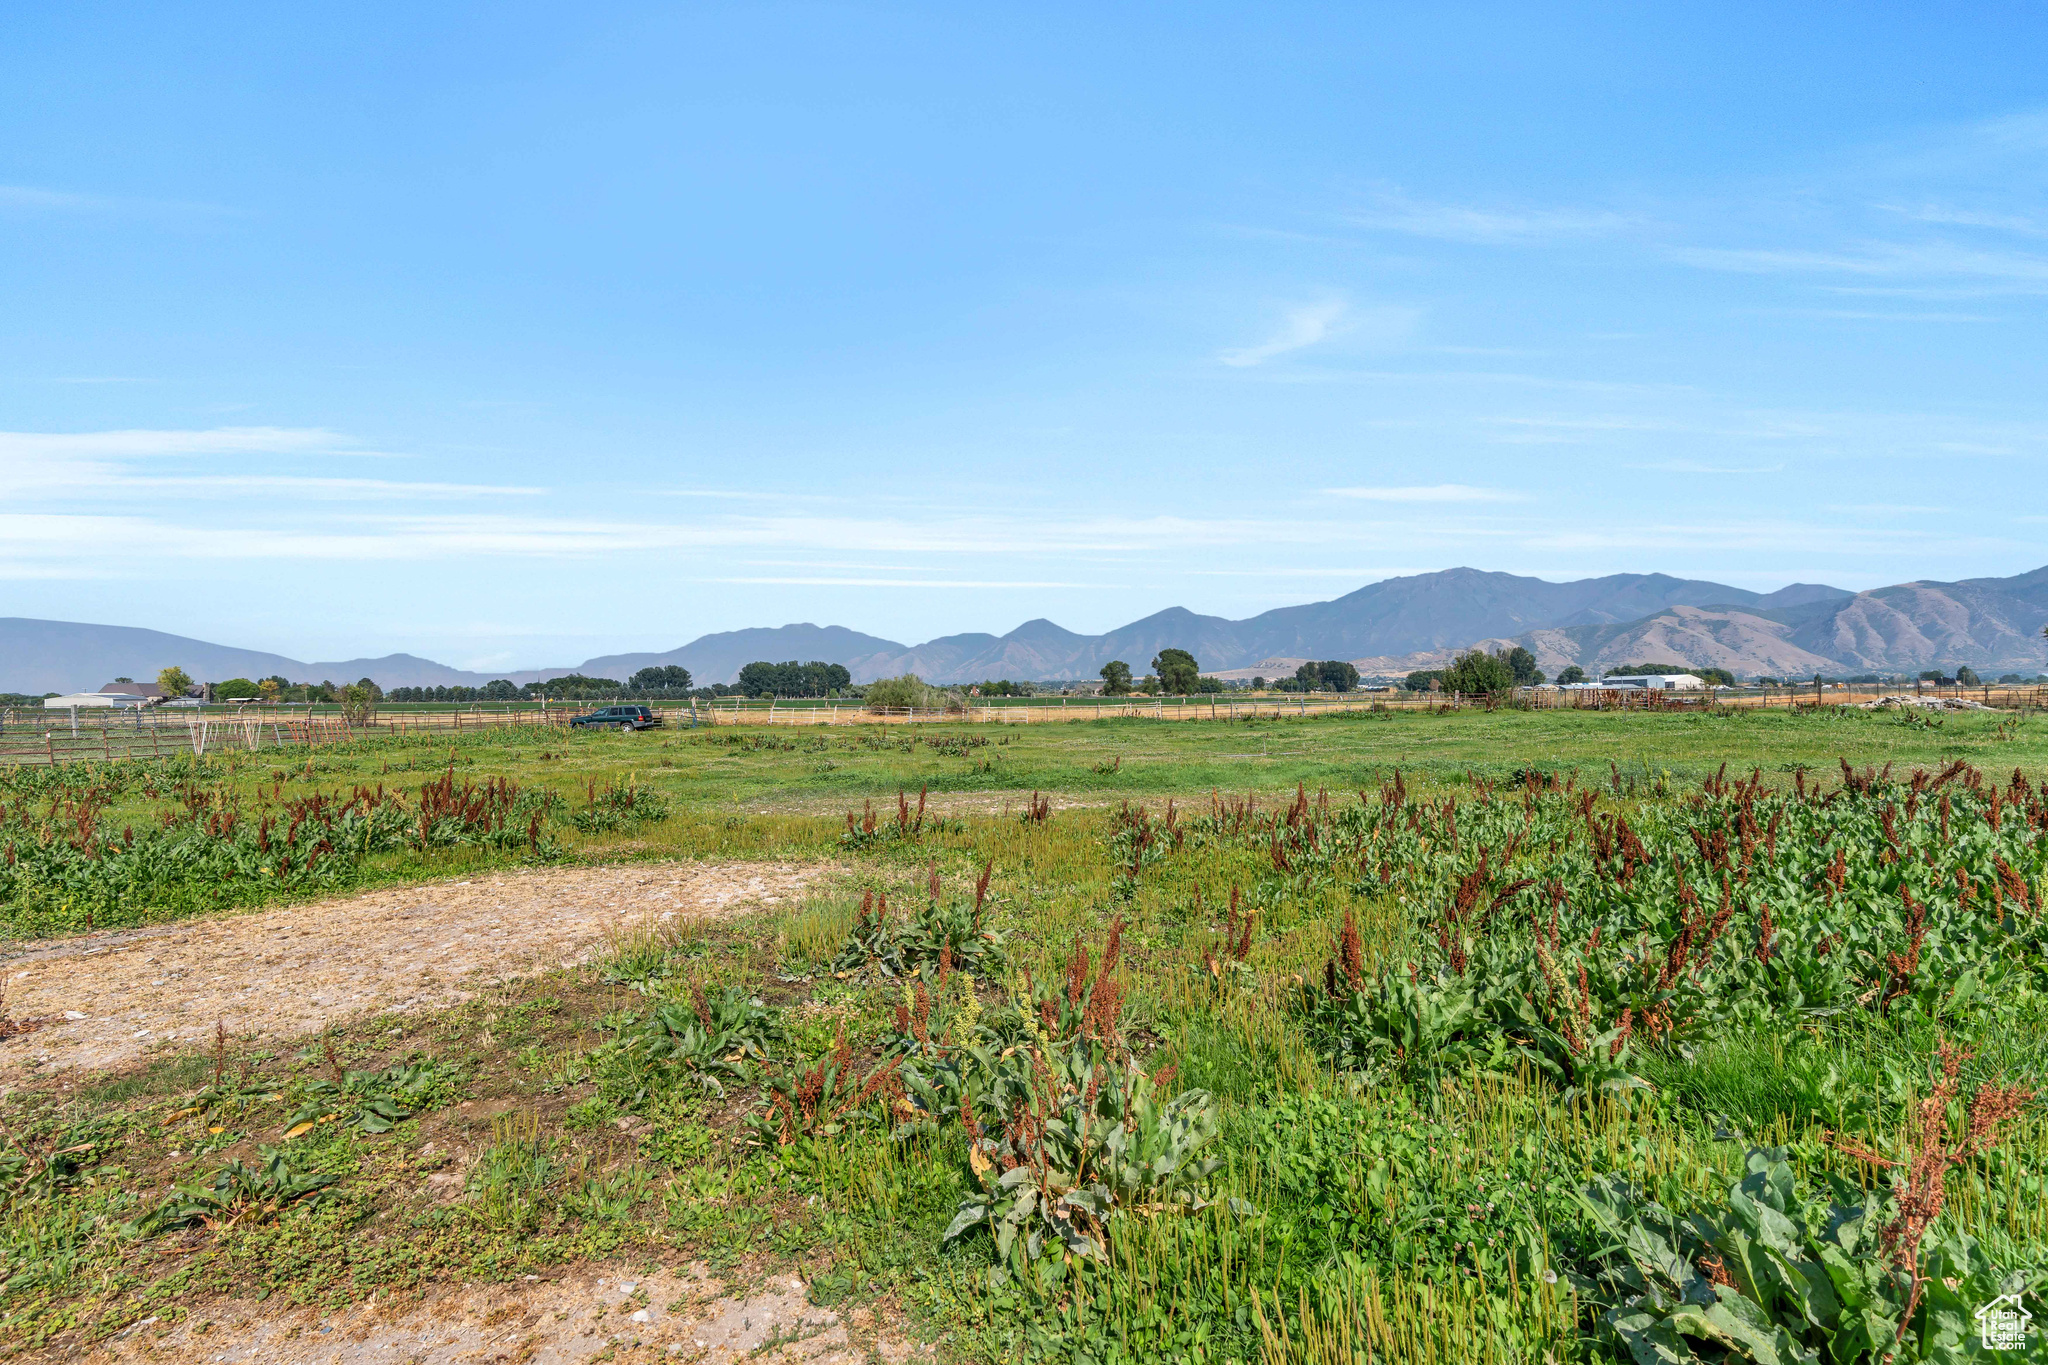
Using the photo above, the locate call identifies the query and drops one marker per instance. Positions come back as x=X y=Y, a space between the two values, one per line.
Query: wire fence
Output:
x=36 y=735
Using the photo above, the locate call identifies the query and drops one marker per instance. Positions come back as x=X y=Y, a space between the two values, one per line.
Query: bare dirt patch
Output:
x=680 y=1314
x=277 y=974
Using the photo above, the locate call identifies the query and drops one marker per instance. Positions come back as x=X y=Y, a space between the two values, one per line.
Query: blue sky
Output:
x=510 y=335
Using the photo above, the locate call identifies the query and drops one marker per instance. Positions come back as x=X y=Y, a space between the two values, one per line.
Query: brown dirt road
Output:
x=582 y=1314
x=273 y=975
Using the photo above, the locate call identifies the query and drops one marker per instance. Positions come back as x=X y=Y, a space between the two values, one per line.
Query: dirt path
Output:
x=282 y=973
x=601 y=1313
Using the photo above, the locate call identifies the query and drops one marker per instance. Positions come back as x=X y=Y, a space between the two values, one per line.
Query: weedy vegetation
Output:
x=1464 y=1037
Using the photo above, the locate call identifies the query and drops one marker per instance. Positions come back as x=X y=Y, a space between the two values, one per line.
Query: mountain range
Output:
x=1387 y=628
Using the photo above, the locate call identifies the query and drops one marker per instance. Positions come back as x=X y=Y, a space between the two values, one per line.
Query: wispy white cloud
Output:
x=33 y=197
x=1872 y=315
x=137 y=443
x=1707 y=467
x=1394 y=211
x=1439 y=492
x=37 y=538
x=42 y=199
x=1954 y=217
x=1302 y=328
x=316 y=486
x=101 y=465
x=1873 y=259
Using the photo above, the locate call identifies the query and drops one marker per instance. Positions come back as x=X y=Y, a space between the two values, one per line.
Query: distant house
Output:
x=80 y=701
x=149 y=692
x=1659 y=682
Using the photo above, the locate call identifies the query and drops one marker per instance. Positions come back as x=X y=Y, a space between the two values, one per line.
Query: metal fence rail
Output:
x=30 y=735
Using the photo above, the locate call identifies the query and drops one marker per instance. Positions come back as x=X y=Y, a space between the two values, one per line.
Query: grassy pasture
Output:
x=1390 y=1049
x=762 y=792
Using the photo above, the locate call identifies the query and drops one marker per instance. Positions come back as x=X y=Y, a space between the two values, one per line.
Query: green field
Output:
x=789 y=788
x=1406 y=1036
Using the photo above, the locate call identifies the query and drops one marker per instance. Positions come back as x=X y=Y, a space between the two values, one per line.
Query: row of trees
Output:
x=175 y=682
x=792 y=679
x=1174 y=672
x=1478 y=671
x=1327 y=675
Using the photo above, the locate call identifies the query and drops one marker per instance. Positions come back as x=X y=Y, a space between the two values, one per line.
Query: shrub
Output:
x=1775 y=1273
x=824 y=1099
x=939 y=938
x=693 y=1038
x=1093 y=1143
x=909 y=691
x=239 y=1193
x=619 y=806
x=373 y=1100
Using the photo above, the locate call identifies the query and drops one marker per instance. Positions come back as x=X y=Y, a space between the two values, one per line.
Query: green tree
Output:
x=793 y=679
x=1522 y=664
x=1477 y=671
x=174 y=681
x=1715 y=677
x=234 y=689
x=1424 y=680
x=575 y=685
x=501 y=689
x=1572 y=673
x=1337 y=675
x=1178 y=672
x=659 y=678
x=1967 y=676
x=359 y=702
x=1116 y=678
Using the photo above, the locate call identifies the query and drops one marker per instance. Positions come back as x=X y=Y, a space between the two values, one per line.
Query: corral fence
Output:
x=35 y=735
x=39 y=735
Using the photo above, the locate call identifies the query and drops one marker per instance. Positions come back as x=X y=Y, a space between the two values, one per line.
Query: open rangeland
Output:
x=1384 y=1036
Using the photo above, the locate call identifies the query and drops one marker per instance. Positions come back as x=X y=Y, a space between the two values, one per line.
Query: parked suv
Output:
x=624 y=717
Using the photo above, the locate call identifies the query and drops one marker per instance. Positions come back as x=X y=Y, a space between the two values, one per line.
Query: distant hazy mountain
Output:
x=1399 y=616
x=1992 y=624
x=65 y=656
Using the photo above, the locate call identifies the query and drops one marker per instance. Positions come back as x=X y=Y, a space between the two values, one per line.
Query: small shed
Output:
x=80 y=701
x=1660 y=682
x=148 y=691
